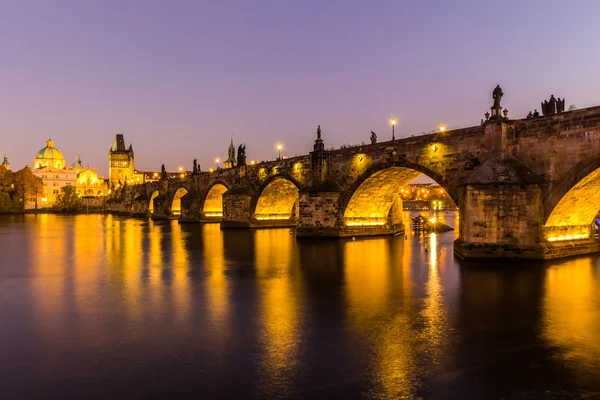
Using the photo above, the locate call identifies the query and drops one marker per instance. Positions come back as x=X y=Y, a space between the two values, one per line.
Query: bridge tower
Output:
x=121 y=161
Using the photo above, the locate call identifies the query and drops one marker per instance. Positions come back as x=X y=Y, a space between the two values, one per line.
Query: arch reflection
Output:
x=277 y=277
x=217 y=290
x=571 y=321
x=375 y=292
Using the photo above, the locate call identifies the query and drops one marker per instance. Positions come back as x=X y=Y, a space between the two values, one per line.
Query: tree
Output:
x=27 y=186
x=6 y=180
x=5 y=202
x=67 y=200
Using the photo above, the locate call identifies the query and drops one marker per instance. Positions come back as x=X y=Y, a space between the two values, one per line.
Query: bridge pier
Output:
x=191 y=210
x=239 y=212
x=139 y=207
x=322 y=215
x=162 y=208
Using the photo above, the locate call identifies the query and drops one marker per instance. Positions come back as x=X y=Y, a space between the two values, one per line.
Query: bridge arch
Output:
x=572 y=205
x=213 y=201
x=277 y=198
x=176 y=201
x=373 y=195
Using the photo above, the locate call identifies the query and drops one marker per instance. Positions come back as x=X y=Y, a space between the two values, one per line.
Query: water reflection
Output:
x=434 y=312
x=242 y=314
x=571 y=316
x=376 y=292
x=216 y=281
x=279 y=287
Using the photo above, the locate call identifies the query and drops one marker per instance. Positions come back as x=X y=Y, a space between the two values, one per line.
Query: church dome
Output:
x=49 y=156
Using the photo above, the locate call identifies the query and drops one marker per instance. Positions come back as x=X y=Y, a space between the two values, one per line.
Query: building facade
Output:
x=50 y=167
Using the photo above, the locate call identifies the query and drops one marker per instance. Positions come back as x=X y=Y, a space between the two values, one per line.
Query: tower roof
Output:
x=5 y=163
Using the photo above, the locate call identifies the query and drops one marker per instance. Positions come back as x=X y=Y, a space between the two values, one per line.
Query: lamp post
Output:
x=279 y=147
x=393 y=122
x=217 y=161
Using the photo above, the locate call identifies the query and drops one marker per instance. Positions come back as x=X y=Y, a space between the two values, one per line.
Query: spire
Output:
x=230 y=162
x=5 y=163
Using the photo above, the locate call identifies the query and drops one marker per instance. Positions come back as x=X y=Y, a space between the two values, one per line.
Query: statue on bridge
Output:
x=553 y=106
x=196 y=169
x=241 y=156
x=163 y=172
x=497 y=95
x=373 y=137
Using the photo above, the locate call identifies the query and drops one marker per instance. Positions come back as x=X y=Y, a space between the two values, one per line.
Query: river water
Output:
x=95 y=306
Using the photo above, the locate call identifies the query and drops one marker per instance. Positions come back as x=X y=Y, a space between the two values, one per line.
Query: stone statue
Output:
x=373 y=137
x=241 y=156
x=196 y=169
x=319 y=132
x=112 y=186
x=163 y=172
x=560 y=105
x=552 y=105
x=497 y=95
x=120 y=184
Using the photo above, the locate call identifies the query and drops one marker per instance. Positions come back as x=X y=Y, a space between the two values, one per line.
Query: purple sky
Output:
x=180 y=76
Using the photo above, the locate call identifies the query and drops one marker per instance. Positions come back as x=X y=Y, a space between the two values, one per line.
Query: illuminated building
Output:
x=121 y=162
x=49 y=166
x=88 y=183
x=121 y=166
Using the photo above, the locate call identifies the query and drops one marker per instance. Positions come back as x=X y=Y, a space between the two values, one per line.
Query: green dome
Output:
x=49 y=152
x=49 y=156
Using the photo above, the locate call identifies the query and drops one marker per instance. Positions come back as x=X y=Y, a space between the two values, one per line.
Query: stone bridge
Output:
x=525 y=188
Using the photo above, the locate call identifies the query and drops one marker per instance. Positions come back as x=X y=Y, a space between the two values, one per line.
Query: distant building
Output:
x=88 y=183
x=49 y=165
x=121 y=165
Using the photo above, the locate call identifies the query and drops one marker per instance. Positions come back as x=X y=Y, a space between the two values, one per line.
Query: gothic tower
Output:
x=120 y=162
x=230 y=162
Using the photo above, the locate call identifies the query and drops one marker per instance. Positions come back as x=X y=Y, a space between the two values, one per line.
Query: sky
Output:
x=180 y=77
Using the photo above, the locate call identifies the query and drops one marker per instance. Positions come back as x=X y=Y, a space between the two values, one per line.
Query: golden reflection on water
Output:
x=216 y=282
x=277 y=273
x=434 y=312
x=370 y=278
x=180 y=284
x=571 y=316
x=50 y=287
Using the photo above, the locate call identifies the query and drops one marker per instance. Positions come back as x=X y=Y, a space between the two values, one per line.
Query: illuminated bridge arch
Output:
x=213 y=202
x=574 y=203
x=176 y=202
x=375 y=191
x=278 y=199
x=154 y=194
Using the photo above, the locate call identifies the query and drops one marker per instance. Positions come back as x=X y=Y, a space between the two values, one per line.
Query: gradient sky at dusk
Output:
x=180 y=76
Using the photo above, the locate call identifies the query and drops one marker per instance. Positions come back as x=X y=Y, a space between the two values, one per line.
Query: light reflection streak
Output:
x=434 y=311
x=571 y=321
x=216 y=283
x=370 y=278
x=275 y=270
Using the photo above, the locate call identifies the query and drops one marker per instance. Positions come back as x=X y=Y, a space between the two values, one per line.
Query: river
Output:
x=98 y=306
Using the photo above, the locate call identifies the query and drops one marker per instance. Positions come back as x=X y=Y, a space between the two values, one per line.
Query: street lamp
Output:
x=442 y=128
x=393 y=122
x=217 y=161
x=279 y=147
